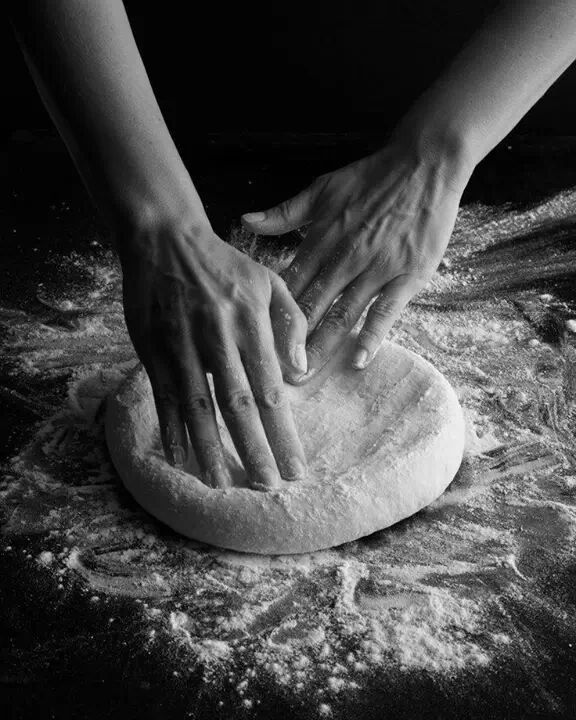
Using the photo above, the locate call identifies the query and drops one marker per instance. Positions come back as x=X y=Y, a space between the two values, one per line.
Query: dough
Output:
x=381 y=444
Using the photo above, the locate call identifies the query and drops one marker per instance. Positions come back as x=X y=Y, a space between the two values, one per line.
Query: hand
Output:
x=377 y=231
x=194 y=304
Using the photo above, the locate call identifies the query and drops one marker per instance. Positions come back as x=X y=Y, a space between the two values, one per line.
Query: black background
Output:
x=298 y=67
x=292 y=71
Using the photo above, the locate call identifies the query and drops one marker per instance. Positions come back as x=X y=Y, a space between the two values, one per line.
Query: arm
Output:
x=87 y=68
x=192 y=303
x=378 y=228
x=519 y=52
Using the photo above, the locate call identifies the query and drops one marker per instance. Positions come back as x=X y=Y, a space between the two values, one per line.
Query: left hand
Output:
x=377 y=231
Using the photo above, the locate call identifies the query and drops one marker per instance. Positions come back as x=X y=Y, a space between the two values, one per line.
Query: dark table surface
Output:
x=62 y=657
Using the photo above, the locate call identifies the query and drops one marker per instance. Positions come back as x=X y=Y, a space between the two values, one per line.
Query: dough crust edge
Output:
x=298 y=518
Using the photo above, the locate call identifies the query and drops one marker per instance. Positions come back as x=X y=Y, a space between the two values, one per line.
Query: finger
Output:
x=339 y=322
x=310 y=256
x=170 y=420
x=197 y=410
x=267 y=384
x=318 y=297
x=283 y=218
x=383 y=313
x=289 y=327
x=240 y=412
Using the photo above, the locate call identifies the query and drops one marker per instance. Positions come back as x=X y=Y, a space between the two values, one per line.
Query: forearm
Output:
x=89 y=72
x=511 y=61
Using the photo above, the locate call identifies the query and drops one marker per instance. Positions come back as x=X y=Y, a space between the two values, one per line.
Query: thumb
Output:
x=283 y=218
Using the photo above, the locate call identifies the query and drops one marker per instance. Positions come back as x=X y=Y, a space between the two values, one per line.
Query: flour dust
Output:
x=424 y=596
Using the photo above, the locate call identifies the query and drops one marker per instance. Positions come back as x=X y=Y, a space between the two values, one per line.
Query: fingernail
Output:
x=302 y=379
x=299 y=358
x=360 y=359
x=178 y=456
x=296 y=470
x=267 y=478
x=254 y=217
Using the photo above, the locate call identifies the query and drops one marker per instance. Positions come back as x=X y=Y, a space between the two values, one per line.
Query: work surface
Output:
x=465 y=610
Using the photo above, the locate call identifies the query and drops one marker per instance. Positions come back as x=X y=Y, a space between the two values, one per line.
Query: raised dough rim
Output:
x=292 y=519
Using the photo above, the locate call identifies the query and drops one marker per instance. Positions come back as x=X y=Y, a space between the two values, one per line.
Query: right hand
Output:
x=193 y=305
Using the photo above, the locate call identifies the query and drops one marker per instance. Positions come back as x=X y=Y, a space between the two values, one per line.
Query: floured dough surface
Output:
x=381 y=444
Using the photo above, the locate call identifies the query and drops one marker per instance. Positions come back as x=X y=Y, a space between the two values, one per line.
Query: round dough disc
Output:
x=381 y=444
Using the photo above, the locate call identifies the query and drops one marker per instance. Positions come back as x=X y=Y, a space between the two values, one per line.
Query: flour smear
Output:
x=425 y=596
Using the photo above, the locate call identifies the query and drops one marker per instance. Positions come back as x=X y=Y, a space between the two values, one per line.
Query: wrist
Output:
x=137 y=189
x=154 y=223
x=149 y=208
x=440 y=147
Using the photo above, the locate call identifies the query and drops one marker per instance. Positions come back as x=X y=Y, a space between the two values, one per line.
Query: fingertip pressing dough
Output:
x=381 y=444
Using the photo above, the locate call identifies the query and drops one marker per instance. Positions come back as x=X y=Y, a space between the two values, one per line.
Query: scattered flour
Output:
x=423 y=596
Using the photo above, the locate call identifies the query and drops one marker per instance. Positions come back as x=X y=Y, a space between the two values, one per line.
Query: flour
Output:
x=46 y=557
x=426 y=596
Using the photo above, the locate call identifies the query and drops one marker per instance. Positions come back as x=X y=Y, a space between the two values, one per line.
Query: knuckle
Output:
x=364 y=225
x=252 y=306
x=370 y=337
x=383 y=260
x=254 y=296
x=234 y=293
x=340 y=315
x=369 y=228
x=251 y=333
x=271 y=398
x=307 y=307
x=199 y=404
x=238 y=402
x=383 y=309
x=356 y=245
x=315 y=352
x=256 y=312
x=165 y=395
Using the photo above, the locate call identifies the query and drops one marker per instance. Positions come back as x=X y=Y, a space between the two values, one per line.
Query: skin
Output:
x=212 y=308
x=193 y=305
x=377 y=228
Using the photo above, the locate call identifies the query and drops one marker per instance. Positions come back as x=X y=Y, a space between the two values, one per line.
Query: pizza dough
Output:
x=381 y=444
